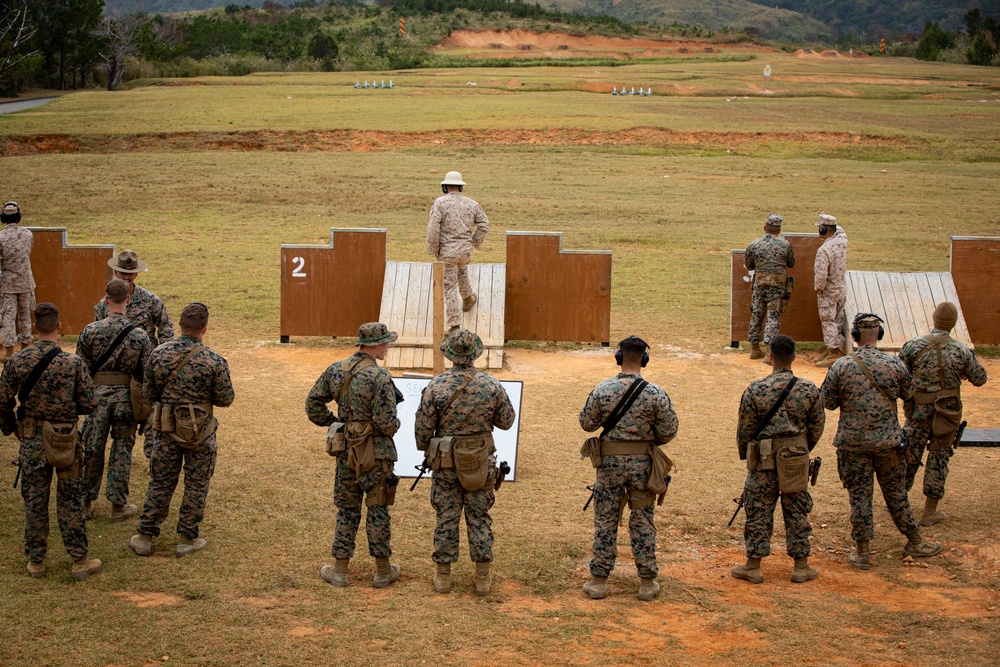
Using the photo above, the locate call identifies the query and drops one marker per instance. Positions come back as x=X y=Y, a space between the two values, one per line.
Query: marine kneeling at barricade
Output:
x=454 y=428
x=781 y=420
x=636 y=419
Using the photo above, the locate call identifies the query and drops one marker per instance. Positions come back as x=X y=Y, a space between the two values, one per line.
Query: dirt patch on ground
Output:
x=148 y=599
x=339 y=141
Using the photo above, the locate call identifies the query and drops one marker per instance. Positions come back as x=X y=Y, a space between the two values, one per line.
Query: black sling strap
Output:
x=32 y=380
x=774 y=408
x=96 y=366
x=624 y=404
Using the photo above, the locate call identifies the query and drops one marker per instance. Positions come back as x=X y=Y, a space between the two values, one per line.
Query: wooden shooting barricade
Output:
x=73 y=277
x=975 y=269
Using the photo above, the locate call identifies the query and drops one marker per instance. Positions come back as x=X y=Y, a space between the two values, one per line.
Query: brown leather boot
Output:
x=120 y=512
x=648 y=589
x=596 y=588
x=336 y=575
x=802 y=573
x=187 y=546
x=484 y=579
x=860 y=557
x=749 y=572
x=141 y=544
x=386 y=573
x=755 y=351
x=8 y=353
x=918 y=547
x=36 y=568
x=468 y=302
x=931 y=516
x=442 y=578
x=84 y=567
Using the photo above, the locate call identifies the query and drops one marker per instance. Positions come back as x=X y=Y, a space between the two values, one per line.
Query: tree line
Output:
x=978 y=44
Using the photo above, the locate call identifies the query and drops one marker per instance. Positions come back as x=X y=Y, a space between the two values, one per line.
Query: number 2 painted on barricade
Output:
x=300 y=264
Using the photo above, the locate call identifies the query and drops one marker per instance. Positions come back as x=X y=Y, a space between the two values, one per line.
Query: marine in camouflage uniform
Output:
x=370 y=397
x=456 y=225
x=63 y=391
x=800 y=415
x=17 y=284
x=477 y=407
x=650 y=419
x=830 y=285
x=869 y=437
x=957 y=363
x=769 y=257
x=145 y=309
x=114 y=410
x=203 y=379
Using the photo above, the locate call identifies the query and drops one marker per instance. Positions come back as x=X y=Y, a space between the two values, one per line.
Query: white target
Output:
x=767 y=70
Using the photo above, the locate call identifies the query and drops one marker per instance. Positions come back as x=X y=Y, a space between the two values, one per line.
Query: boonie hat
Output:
x=375 y=333
x=462 y=346
x=127 y=261
x=11 y=213
x=774 y=219
x=453 y=178
x=826 y=219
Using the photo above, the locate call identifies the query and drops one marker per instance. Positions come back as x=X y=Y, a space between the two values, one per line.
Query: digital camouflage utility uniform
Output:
x=146 y=311
x=480 y=406
x=868 y=436
x=203 y=379
x=769 y=257
x=457 y=224
x=372 y=397
x=957 y=363
x=17 y=285
x=62 y=392
x=114 y=405
x=830 y=284
x=651 y=418
x=800 y=414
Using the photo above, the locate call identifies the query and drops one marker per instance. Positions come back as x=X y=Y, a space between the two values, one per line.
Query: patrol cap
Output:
x=826 y=219
x=375 y=333
x=127 y=261
x=453 y=178
x=774 y=219
x=945 y=316
x=462 y=346
x=11 y=213
x=867 y=321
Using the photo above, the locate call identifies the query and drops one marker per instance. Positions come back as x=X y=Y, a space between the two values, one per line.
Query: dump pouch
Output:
x=793 y=471
x=592 y=449
x=439 y=453
x=336 y=441
x=472 y=460
x=662 y=465
x=59 y=441
x=360 y=447
x=141 y=409
x=947 y=417
x=193 y=423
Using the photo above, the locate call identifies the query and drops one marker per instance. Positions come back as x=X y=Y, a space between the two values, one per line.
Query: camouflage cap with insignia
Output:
x=462 y=346
x=867 y=321
x=375 y=333
x=774 y=219
x=826 y=219
x=11 y=213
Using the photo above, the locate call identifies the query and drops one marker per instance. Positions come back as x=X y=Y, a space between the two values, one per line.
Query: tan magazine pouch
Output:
x=336 y=440
x=382 y=495
x=439 y=453
x=59 y=441
x=141 y=409
x=193 y=423
x=360 y=447
x=592 y=449
x=472 y=460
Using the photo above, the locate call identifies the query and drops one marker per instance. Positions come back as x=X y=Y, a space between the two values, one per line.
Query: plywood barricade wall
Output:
x=554 y=294
x=73 y=277
x=975 y=270
x=801 y=319
x=330 y=290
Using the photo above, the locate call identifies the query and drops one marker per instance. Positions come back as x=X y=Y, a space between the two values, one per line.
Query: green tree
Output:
x=66 y=38
x=933 y=41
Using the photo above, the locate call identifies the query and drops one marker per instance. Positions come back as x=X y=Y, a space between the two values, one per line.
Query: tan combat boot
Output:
x=832 y=354
x=336 y=575
x=860 y=558
x=749 y=572
x=141 y=544
x=8 y=353
x=442 y=578
x=386 y=573
x=755 y=351
x=36 y=568
x=24 y=346
x=802 y=573
x=119 y=512
x=84 y=567
x=483 y=579
x=918 y=547
x=187 y=546
x=648 y=589
x=468 y=302
x=931 y=516
x=596 y=588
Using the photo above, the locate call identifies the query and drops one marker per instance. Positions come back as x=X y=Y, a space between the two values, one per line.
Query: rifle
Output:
x=739 y=505
x=502 y=470
x=17 y=476
x=958 y=434
x=787 y=294
x=814 y=467
x=590 y=499
x=423 y=468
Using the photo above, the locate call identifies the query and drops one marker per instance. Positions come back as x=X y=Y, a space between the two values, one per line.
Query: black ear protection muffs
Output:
x=856 y=335
x=823 y=229
x=444 y=189
x=638 y=341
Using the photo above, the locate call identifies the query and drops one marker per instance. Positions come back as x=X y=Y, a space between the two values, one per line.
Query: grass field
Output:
x=206 y=178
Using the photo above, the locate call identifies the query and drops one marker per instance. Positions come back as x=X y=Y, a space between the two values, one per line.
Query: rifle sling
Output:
x=868 y=374
x=96 y=366
x=623 y=406
x=774 y=408
x=32 y=380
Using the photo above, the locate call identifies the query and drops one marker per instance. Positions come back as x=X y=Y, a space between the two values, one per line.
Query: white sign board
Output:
x=406 y=443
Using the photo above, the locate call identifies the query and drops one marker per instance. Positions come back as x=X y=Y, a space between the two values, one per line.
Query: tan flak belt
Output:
x=111 y=378
x=625 y=447
x=928 y=397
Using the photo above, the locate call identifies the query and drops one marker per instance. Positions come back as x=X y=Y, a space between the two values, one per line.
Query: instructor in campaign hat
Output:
x=145 y=310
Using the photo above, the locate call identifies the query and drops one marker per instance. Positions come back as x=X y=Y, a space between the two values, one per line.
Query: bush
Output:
x=933 y=41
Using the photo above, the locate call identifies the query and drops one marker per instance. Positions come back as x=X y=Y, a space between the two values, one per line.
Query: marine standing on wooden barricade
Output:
x=145 y=309
x=781 y=420
x=938 y=364
x=17 y=285
x=830 y=285
x=637 y=419
x=769 y=257
x=454 y=428
x=869 y=441
x=185 y=381
x=361 y=438
x=52 y=387
x=115 y=352
x=457 y=224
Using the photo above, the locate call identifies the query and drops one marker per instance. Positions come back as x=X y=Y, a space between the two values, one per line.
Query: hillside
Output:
x=874 y=20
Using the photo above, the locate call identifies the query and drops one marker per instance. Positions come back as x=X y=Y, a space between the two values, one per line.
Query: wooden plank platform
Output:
x=407 y=308
x=906 y=302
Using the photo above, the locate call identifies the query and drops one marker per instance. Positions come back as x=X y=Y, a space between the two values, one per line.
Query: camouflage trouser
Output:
x=918 y=429
x=36 y=486
x=114 y=418
x=348 y=495
x=831 y=318
x=759 y=301
x=456 y=288
x=164 y=471
x=760 y=497
x=448 y=498
x=615 y=475
x=16 y=309
x=857 y=470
